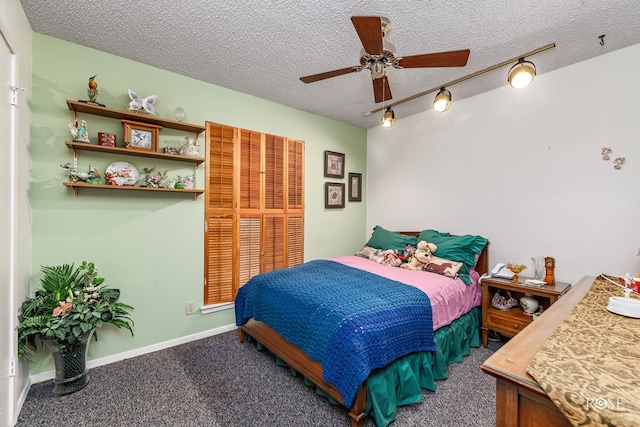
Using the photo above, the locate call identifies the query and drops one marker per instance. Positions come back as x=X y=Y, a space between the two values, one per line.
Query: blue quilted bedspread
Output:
x=348 y=320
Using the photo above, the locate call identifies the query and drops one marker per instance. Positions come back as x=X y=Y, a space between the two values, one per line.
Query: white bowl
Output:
x=625 y=306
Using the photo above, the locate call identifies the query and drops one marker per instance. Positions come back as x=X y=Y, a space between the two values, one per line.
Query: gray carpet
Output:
x=219 y=382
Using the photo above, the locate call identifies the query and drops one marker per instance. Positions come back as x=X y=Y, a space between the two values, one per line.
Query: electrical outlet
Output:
x=190 y=307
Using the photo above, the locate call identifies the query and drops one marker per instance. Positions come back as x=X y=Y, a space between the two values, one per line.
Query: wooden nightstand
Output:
x=513 y=321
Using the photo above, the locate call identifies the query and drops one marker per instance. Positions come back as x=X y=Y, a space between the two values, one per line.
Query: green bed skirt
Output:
x=401 y=382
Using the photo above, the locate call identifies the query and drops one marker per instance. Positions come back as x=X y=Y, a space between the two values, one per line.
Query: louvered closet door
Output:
x=254 y=207
x=249 y=253
x=274 y=153
x=295 y=202
x=273 y=242
x=250 y=148
x=220 y=166
x=219 y=255
x=219 y=236
x=295 y=176
x=295 y=240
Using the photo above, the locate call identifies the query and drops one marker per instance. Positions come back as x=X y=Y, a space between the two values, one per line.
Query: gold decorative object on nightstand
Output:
x=516 y=269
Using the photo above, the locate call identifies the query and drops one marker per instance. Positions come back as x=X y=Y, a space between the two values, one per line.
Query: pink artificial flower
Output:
x=63 y=309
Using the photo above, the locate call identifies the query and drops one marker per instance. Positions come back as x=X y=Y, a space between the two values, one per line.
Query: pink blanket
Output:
x=450 y=298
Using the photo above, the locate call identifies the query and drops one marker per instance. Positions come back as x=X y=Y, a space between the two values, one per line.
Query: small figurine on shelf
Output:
x=79 y=131
x=140 y=104
x=92 y=92
x=191 y=148
x=154 y=180
x=170 y=150
x=187 y=182
x=91 y=177
x=175 y=183
x=182 y=182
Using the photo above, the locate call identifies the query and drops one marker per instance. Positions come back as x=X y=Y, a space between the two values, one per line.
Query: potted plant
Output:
x=69 y=306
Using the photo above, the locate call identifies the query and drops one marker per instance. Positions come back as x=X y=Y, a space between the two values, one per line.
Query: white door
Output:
x=7 y=224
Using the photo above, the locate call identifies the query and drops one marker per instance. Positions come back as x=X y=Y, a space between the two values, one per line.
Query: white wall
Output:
x=524 y=169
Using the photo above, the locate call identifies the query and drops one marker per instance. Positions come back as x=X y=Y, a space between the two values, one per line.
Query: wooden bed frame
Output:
x=298 y=359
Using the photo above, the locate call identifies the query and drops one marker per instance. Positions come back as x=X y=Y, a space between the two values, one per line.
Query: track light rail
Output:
x=462 y=79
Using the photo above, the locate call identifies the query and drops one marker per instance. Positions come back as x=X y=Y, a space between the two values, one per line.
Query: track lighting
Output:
x=388 y=119
x=522 y=67
x=442 y=101
x=521 y=74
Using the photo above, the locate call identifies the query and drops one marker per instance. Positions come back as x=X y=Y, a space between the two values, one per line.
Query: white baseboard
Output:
x=49 y=375
x=21 y=399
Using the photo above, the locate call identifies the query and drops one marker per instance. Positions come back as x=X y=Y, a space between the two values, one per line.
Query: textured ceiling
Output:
x=262 y=48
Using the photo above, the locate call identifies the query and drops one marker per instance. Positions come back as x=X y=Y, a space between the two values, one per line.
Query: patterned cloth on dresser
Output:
x=590 y=366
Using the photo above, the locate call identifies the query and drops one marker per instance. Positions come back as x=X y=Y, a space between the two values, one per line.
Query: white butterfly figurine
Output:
x=138 y=104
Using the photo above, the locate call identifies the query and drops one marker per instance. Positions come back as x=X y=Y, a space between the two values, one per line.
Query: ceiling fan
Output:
x=378 y=54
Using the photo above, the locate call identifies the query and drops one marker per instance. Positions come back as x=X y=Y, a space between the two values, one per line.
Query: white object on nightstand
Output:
x=535 y=282
x=624 y=306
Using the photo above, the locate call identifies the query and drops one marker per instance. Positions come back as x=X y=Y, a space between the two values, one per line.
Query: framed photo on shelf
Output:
x=140 y=136
x=355 y=187
x=333 y=164
x=333 y=195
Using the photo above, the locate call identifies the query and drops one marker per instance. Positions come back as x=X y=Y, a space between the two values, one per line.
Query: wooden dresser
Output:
x=519 y=399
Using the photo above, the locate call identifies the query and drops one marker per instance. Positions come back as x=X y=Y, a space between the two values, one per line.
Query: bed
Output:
x=414 y=337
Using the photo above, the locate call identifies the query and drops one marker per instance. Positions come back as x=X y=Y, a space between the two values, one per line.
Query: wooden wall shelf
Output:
x=132 y=152
x=96 y=110
x=77 y=185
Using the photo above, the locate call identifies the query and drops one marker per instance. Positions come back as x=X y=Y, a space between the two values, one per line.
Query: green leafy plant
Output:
x=69 y=302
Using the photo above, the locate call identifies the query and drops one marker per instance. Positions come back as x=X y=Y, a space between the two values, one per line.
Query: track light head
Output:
x=388 y=119
x=442 y=101
x=521 y=74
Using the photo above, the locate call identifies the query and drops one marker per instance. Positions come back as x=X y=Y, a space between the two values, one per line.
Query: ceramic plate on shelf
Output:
x=121 y=173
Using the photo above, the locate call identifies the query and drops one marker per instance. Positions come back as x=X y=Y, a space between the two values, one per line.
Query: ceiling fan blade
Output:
x=369 y=29
x=381 y=89
x=454 y=58
x=328 y=74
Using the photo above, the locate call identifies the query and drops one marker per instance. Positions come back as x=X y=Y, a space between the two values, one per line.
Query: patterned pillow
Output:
x=457 y=248
x=443 y=266
x=366 y=251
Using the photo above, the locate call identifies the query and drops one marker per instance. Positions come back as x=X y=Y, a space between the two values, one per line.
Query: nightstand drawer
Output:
x=506 y=323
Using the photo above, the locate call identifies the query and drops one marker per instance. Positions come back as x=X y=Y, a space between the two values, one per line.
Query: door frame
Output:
x=8 y=244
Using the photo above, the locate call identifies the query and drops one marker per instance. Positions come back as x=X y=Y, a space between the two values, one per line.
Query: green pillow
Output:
x=426 y=235
x=385 y=239
x=456 y=248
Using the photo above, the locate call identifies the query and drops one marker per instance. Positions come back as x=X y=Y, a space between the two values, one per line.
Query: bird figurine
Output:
x=92 y=82
x=91 y=177
x=92 y=92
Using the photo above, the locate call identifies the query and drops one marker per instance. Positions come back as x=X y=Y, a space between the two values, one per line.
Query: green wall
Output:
x=151 y=245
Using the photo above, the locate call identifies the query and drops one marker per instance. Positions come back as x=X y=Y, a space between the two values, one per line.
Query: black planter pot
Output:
x=70 y=362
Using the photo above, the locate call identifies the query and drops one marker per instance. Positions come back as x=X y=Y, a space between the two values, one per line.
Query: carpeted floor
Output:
x=219 y=382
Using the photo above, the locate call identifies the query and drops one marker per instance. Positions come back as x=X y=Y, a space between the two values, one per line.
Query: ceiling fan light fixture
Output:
x=521 y=74
x=442 y=101
x=388 y=119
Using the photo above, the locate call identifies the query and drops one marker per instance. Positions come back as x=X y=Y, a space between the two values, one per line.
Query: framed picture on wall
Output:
x=333 y=195
x=355 y=187
x=333 y=164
